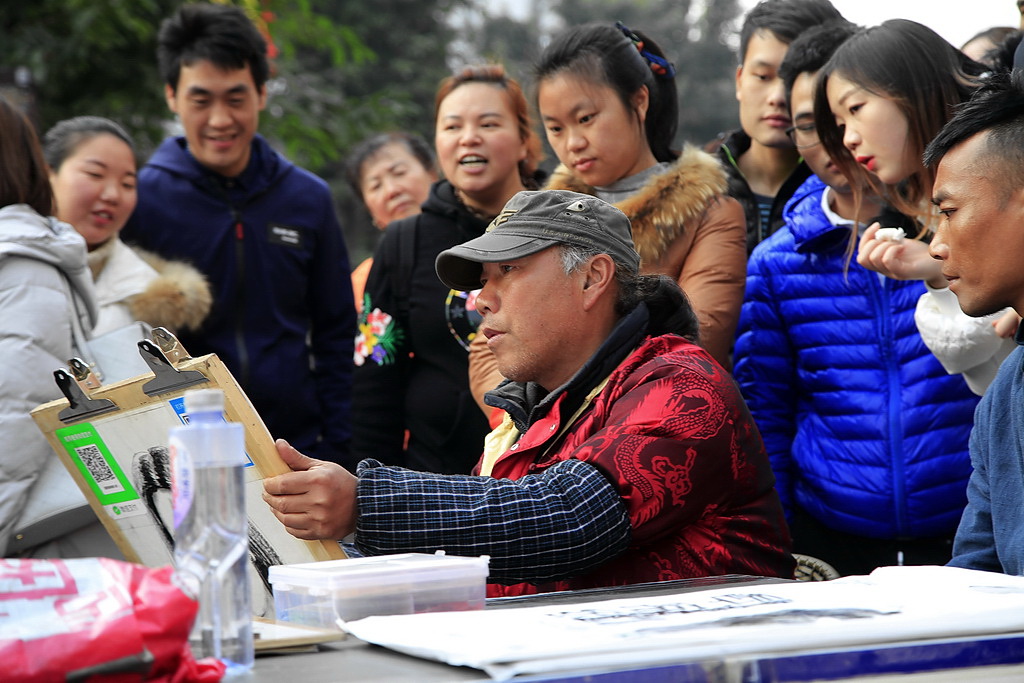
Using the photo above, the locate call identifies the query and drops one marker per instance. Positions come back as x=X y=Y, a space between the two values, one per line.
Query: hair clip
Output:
x=659 y=65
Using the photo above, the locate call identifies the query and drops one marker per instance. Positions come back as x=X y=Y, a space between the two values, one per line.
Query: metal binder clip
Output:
x=81 y=406
x=166 y=376
x=169 y=345
x=84 y=374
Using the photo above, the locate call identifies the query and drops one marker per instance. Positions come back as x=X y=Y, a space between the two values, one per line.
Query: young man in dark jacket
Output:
x=763 y=165
x=627 y=454
x=262 y=230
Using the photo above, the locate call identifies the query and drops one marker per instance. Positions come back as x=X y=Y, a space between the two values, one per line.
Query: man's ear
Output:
x=599 y=275
x=1015 y=202
x=169 y=97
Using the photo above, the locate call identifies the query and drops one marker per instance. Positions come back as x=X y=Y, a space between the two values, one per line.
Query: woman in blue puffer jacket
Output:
x=866 y=431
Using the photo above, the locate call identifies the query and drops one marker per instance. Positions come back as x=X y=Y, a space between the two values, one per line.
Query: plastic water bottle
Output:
x=211 y=532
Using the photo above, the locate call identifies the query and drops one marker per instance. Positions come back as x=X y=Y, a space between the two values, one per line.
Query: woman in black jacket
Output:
x=411 y=402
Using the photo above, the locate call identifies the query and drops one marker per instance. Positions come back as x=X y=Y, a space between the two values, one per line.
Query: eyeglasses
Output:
x=803 y=135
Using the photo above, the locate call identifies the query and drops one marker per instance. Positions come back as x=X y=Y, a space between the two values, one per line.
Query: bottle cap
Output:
x=204 y=401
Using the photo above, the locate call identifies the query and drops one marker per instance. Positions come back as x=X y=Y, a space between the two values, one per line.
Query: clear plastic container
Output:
x=322 y=593
x=211 y=529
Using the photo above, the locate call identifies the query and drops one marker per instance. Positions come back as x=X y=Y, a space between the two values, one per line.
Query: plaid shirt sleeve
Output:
x=553 y=525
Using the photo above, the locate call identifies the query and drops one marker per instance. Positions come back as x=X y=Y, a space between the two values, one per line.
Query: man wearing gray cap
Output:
x=626 y=455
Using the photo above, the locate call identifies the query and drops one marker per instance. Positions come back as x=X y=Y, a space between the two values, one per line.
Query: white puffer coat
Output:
x=46 y=292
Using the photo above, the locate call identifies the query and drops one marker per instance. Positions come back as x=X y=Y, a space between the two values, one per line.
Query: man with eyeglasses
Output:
x=869 y=465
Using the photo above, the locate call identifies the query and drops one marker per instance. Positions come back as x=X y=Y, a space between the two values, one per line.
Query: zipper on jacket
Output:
x=895 y=440
x=239 y=312
x=238 y=315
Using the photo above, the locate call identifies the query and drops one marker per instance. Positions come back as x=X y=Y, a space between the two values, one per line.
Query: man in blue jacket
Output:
x=262 y=230
x=979 y=192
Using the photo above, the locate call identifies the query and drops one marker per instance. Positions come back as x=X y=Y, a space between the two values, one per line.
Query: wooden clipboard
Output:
x=113 y=441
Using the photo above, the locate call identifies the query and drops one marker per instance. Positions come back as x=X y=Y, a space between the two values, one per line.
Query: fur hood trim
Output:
x=178 y=298
x=661 y=209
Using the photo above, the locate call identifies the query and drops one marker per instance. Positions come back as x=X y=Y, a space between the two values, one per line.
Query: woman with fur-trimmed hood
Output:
x=92 y=170
x=607 y=99
x=132 y=284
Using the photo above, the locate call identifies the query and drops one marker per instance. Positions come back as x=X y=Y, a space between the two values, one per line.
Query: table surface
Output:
x=354 y=660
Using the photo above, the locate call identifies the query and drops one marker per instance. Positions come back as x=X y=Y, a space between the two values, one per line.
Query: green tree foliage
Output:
x=89 y=56
x=392 y=91
x=99 y=57
x=409 y=39
x=308 y=111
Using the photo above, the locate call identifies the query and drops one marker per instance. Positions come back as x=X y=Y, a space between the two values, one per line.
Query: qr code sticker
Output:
x=101 y=473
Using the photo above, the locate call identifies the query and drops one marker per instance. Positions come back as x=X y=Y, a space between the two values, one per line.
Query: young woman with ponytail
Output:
x=607 y=101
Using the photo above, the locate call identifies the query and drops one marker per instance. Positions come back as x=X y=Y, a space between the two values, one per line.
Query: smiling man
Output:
x=979 y=191
x=627 y=454
x=262 y=230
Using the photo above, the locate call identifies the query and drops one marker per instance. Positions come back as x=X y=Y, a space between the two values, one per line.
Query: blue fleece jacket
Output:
x=865 y=430
x=991 y=533
x=283 y=320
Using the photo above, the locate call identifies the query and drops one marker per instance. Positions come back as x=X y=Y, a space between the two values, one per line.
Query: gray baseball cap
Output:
x=533 y=221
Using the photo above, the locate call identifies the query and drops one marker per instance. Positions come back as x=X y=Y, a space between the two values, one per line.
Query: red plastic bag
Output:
x=96 y=619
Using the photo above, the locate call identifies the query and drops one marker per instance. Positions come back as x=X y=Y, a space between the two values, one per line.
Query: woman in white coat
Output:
x=47 y=307
x=92 y=169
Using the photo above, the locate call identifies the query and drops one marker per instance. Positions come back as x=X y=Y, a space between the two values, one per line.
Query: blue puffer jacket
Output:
x=269 y=243
x=865 y=430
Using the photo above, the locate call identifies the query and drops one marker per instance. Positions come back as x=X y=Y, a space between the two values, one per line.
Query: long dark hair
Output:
x=925 y=77
x=669 y=307
x=605 y=54
x=23 y=175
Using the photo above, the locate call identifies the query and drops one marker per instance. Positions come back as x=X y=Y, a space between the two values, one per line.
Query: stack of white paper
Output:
x=893 y=604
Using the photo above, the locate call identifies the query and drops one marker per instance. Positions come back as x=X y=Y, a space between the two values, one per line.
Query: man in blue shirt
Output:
x=978 y=159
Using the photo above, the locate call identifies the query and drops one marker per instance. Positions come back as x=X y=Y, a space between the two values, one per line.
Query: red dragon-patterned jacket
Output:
x=672 y=432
